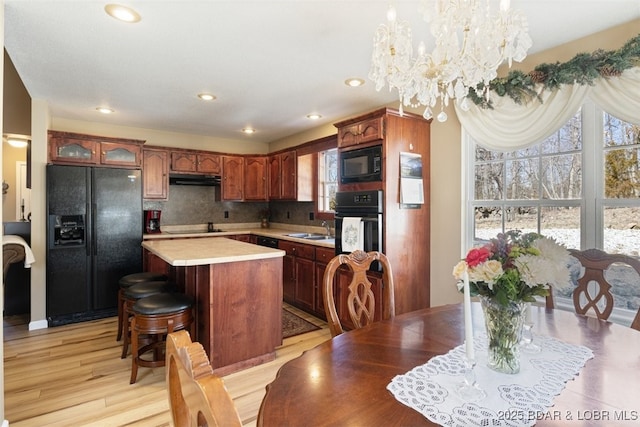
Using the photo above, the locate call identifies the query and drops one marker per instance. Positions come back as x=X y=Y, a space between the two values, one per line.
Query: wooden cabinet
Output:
x=283 y=176
x=152 y=262
x=118 y=154
x=323 y=256
x=232 y=178
x=185 y=161
x=155 y=171
x=406 y=232
x=288 y=164
x=361 y=132
x=255 y=178
x=240 y=237
x=298 y=273
x=73 y=150
x=209 y=163
x=80 y=149
x=274 y=187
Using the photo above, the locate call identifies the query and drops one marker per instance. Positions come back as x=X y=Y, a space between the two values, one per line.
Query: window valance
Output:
x=509 y=126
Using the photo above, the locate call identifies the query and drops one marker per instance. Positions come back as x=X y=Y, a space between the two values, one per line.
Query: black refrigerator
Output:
x=94 y=232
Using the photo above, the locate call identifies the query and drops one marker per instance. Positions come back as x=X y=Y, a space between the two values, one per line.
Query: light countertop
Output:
x=277 y=231
x=207 y=250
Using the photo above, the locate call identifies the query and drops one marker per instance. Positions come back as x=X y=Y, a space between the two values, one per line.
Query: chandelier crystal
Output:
x=471 y=42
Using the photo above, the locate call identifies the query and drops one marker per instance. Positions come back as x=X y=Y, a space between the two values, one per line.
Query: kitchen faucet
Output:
x=325 y=224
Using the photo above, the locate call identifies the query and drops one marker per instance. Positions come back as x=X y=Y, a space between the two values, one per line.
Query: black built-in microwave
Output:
x=361 y=165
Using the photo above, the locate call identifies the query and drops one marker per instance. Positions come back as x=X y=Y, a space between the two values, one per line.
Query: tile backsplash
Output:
x=198 y=205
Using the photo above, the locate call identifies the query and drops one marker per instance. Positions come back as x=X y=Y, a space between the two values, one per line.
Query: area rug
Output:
x=295 y=325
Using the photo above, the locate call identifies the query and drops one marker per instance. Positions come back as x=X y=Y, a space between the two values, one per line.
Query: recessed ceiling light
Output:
x=122 y=13
x=206 y=96
x=248 y=131
x=313 y=116
x=105 y=110
x=354 y=82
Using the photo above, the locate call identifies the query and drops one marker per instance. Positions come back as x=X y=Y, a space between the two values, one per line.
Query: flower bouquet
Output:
x=506 y=273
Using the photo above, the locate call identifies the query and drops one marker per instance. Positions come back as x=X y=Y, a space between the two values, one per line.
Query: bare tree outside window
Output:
x=327 y=179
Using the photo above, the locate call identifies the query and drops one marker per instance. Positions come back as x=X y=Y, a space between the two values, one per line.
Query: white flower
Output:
x=538 y=270
x=551 y=250
x=458 y=270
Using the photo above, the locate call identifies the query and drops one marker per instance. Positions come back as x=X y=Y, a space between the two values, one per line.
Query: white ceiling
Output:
x=270 y=63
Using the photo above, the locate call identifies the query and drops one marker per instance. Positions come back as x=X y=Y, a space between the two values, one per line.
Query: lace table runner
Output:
x=512 y=400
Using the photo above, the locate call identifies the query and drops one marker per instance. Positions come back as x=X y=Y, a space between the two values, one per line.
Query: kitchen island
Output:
x=237 y=288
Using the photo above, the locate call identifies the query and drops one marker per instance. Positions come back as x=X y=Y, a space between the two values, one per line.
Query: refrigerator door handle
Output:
x=88 y=238
x=94 y=244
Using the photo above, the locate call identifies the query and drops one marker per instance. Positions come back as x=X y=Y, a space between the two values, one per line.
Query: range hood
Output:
x=186 y=179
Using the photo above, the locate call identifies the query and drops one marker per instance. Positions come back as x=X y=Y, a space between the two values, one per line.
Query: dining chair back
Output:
x=360 y=301
x=196 y=395
x=592 y=295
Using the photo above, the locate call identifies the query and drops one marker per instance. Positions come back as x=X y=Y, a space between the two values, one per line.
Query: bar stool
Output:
x=129 y=280
x=132 y=294
x=157 y=316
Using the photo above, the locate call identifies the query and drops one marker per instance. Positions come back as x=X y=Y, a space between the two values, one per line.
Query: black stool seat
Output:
x=126 y=282
x=155 y=317
x=146 y=289
x=132 y=279
x=162 y=304
x=132 y=294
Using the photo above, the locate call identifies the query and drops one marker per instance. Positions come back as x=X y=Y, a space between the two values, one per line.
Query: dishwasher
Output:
x=267 y=241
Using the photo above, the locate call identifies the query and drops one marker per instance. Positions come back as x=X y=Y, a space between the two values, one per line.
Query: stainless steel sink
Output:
x=311 y=236
x=300 y=235
x=319 y=237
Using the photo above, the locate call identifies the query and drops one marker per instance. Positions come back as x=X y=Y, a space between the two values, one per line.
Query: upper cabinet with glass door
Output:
x=72 y=148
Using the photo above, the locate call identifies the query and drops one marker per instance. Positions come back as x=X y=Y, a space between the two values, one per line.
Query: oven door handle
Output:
x=366 y=219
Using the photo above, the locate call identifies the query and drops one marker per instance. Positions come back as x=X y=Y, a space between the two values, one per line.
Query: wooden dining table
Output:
x=342 y=382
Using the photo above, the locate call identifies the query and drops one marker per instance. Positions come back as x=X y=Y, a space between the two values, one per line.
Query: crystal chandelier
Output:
x=471 y=43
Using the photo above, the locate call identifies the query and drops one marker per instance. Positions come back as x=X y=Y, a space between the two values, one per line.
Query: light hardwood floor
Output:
x=72 y=375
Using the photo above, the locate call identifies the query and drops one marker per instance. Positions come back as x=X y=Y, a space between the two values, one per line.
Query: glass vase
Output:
x=504 y=330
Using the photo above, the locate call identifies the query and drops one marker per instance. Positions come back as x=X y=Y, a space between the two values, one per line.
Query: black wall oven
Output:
x=366 y=205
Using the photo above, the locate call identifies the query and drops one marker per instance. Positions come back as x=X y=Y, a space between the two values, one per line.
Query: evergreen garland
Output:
x=582 y=69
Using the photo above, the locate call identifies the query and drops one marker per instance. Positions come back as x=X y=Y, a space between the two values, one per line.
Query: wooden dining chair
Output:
x=597 y=300
x=360 y=301
x=197 y=397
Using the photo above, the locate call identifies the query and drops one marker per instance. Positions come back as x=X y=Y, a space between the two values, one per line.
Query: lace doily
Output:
x=512 y=400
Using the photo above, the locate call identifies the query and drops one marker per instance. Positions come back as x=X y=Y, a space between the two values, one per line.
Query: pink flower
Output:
x=477 y=256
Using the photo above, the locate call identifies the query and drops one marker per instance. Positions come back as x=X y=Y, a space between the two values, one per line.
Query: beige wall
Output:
x=17 y=103
x=11 y=155
x=40 y=124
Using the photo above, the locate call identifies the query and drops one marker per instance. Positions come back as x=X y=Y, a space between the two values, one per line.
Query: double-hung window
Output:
x=327 y=180
x=580 y=185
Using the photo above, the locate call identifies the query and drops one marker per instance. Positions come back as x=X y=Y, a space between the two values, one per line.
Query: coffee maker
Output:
x=152 y=221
